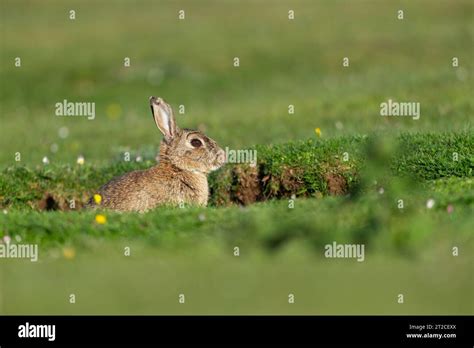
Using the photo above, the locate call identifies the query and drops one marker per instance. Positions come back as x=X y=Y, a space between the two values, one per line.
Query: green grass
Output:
x=450 y=154
x=269 y=225
x=297 y=168
x=282 y=62
x=281 y=252
x=286 y=233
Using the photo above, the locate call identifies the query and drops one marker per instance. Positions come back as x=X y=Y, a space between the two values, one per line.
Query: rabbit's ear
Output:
x=164 y=118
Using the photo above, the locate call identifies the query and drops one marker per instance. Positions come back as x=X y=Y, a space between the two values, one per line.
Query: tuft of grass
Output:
x=24 y=188
x=315 y=167
x=431 y=156
x=298 y=168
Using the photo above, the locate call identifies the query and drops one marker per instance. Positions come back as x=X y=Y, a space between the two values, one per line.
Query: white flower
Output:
x=45 y=160
x=63 y=132
x=80 y=160
x=430 y=203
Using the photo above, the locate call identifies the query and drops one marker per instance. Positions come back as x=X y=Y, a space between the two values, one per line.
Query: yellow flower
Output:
x=318 y=131
x=97 y=198
x=100 y=219
x=69 y=253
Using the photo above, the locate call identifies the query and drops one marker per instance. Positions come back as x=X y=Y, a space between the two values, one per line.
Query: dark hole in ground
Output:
x=48 y=203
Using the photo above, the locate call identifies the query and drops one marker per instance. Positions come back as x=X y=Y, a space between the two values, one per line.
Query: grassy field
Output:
x=342 y=182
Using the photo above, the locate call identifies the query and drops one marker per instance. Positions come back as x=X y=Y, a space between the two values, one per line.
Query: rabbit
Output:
x=186 y=157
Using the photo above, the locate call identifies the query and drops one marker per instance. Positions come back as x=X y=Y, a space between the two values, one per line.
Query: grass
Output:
x=268 y=225
x=191 y=251
x=277 y=236
x=304 y=168
x=306 y=190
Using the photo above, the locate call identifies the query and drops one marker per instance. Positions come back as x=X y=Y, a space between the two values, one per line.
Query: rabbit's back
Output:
x=125 y=193
x=146 y=189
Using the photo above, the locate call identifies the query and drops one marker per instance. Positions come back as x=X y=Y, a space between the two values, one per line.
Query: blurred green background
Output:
x=190 y=62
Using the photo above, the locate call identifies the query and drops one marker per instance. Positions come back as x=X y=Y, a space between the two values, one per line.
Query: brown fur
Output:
x=180 y=176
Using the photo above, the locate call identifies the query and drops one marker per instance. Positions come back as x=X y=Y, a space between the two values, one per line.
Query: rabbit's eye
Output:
x=196 y=143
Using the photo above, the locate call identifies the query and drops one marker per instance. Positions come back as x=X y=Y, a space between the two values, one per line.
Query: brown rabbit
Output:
x=186 y=157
